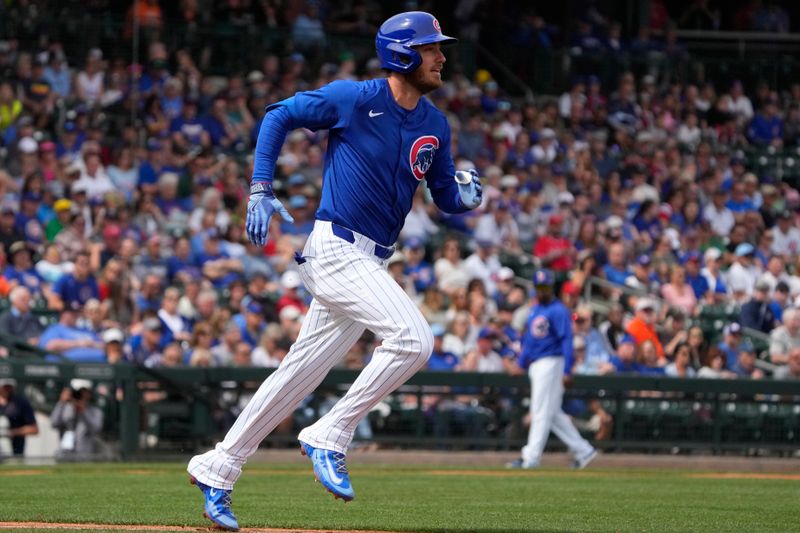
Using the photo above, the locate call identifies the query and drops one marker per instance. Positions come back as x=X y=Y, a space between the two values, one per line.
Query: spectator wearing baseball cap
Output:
x=62 y=208
x=148 y=342
x=251 y=323
x=785 y=338
x=694 y=278
x=441 y=360
x=743 y=273
x=290 y=283
x=624 y=362
x=786 y=234
x=303 y=222
x=20 y=270
x=555 y=251
x=9 y=234
x=756 y=313
x=731 y=339
x=417 y=269
x=483 y=357
x=19 y=412
x=643 y=325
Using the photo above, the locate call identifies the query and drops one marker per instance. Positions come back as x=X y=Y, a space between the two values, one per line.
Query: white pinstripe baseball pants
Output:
x=352 y=292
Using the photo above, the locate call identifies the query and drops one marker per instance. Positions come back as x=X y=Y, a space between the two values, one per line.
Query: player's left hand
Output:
x=469 y=187
x=260 y=209
x=567 y=380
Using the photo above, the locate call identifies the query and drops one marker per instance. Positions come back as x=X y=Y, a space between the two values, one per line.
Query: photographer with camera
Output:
x=77 y=420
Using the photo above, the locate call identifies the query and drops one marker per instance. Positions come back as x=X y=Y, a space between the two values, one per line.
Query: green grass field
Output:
x=409 y=499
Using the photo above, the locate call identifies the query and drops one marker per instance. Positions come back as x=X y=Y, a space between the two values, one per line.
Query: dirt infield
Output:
x=62 y=526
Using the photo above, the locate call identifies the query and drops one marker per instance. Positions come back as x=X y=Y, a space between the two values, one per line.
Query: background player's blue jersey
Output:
x=378 y=152
x=548 y=333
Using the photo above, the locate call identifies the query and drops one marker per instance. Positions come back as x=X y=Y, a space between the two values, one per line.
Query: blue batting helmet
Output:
x=400 y=33
x=543 y=277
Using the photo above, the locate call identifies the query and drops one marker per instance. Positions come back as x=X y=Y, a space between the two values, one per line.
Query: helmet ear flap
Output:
x=404 y=59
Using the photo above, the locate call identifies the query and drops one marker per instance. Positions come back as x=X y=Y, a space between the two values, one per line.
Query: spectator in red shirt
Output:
x=554 y=250
x=290 y=281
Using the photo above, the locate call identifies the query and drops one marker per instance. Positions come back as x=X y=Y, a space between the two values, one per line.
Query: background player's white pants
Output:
x=547 y=391
x=352 y=292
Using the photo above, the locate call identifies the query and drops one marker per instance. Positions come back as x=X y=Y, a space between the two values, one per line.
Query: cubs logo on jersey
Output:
x=420 y=158
x=540 y=326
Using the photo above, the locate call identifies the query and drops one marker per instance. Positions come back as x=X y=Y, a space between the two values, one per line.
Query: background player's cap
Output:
x=543 y=278
x=400 y=33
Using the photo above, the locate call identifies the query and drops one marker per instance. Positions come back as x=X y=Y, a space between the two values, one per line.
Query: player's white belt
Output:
x=348 y=235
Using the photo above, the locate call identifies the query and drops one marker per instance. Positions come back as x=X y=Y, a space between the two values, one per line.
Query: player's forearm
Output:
x=274 y=127
x=449 y=200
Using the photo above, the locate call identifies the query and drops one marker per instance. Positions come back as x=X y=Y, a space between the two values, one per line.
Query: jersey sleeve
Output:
x=328 y=107
x=440 y=177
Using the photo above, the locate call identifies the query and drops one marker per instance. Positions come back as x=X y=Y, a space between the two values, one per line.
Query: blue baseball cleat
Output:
x=521 y=464
x=582 y=462
x=218 y=506
x=330 y=470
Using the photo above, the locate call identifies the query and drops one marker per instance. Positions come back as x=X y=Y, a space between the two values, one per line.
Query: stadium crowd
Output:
x=129 y=236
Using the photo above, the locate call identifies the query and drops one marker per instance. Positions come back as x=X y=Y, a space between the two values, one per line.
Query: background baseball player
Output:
x=384 y=139
x=547 y=354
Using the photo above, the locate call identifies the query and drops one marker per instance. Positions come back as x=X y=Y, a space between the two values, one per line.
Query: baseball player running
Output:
x=384 y=139
x=547 y=354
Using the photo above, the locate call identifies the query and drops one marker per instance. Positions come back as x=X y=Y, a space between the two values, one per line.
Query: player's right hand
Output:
x=469 y=188
x=260 y=208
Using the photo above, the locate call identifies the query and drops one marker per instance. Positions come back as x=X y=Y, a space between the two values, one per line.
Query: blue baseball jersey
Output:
x=548 y=333
x=378 y=152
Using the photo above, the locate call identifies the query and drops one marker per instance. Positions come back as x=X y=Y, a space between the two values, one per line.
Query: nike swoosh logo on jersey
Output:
x=336 y=479
x=373 y=114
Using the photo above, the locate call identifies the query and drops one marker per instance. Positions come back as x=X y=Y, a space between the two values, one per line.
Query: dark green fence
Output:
x=178 y=410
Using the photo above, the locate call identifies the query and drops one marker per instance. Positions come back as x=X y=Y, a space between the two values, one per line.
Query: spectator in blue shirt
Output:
x=251 y=323
x=739 y=202
x=67 y=339
x=625 y=360
x=78 y=287
x=616 y=270
x=147 y=343
x=57 y=74
x=745 y=365
x=189 y=129
x=151 y=168
x=27 y=221
x=21 y=270
x=694 y=278
x=420 y=271
x=149 y=297
x=441 y=360
x=780 y=300
x=766 y=127
x=731 y=338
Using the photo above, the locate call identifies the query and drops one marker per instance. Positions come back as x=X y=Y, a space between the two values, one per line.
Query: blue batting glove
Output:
x=469 y=188
x=260 y=208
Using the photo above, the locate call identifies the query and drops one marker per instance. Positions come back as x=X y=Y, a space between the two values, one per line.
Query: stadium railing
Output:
x=649 y=413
